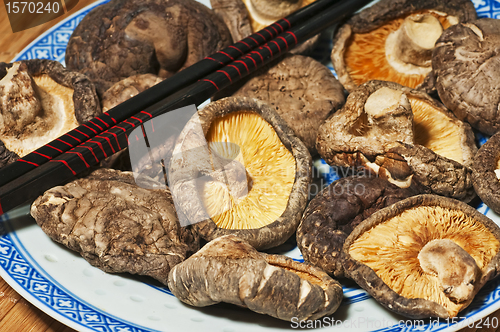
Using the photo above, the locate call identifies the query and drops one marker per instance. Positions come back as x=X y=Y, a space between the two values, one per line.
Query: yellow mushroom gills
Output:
x=269 y=171
x=412 y=253
x=398 y=50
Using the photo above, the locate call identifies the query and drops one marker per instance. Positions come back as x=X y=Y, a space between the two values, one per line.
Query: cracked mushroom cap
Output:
x=425 y=256
x=39 y=101
x=403 y=135
x=393 y=41
x=239 y=169
x=229 y=270
x=332 y=215
x=129 y=37
x=465 y=66
x=116 y=225
x=244 y=17
x=303 y=91
x=486 y=172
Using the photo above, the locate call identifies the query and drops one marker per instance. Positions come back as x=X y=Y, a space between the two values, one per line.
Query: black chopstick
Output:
x=156 y=93
x=80 y=158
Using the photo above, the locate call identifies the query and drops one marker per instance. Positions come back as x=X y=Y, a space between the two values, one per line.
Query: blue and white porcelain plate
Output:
x=66 y=287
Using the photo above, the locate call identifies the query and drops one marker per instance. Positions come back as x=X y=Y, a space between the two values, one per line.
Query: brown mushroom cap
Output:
x=486 y=172
x=125 y=37
x=263 y=190
x=403 y=135
x=393 y=257
x=244 y=17
x=39 y=101
x=332 y=215
x=302 y=90
x=392 y=41
x=127 y=88
x=229 y=270
x=116 y=225
x=465 y=66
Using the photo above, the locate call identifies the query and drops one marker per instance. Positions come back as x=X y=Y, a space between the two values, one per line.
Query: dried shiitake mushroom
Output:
x=39 y=101
x=486 y=172
x=465 y=66
x=123 y=38
x=237 y=168
x=229 y=270
x=393 y=41
x=425 y=256
x=403 y=135
x=303 y=91
x=127 y=88
x=332 y=215
x=244 y=17
x=116 y=225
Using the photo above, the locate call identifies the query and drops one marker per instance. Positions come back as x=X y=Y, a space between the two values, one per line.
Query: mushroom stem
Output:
x=455 y=268
x=415 y=39
x=275 y=9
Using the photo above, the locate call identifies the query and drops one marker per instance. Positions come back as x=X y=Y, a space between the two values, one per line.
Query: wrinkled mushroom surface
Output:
x=486 y=172
x=237 y=168
x=303 y=91
x=128 y=37
x=126 y=89
x=465 y=65
x=403 y=135
x=393 y=41
x=39 y=101
x=229 y=270
x=332 y=215
x=425 y=256
x=116 y=225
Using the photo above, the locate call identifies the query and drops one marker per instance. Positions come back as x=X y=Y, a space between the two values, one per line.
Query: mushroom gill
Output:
x=392 y=249
x=436 y=131
x=269 y=166
x=366 y=57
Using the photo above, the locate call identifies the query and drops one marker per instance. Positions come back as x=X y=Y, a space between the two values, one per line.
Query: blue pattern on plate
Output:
x=50 y=294
x=52 y=45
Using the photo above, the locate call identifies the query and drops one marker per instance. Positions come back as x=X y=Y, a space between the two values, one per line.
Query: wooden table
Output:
x=16 y=314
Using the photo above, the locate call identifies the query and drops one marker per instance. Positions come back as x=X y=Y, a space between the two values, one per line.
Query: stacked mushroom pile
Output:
x=417 y=257
x=240 y=170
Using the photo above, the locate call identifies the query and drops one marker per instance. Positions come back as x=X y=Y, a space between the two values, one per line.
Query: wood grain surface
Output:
x=16 y=314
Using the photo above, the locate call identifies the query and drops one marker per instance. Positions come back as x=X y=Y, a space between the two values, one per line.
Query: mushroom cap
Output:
x=276 y=163
x=332 y=215
x=303 y=91
x=399 y=133
x=123 y=38
x=244 y=17
x=359 y=51
x=116 y=225
x=381 y=254
x=39 y=101
x=230 y=270
x=485 y=172
x=127 y=88
x=465 y=63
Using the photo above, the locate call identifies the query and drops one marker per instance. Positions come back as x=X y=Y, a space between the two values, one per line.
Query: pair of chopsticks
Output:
x=97 y=139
